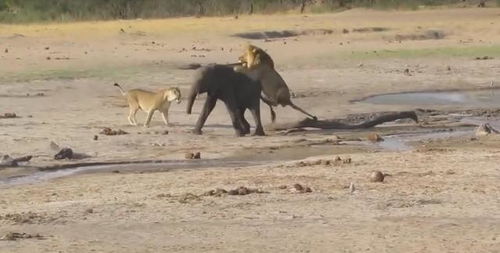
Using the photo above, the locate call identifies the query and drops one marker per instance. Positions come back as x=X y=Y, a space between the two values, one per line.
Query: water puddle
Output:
x=243 y=158
x=472 y=98
x=124 y=168
x=403 y=142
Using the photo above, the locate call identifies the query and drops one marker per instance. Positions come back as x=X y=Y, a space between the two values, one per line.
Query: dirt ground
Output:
x=440 y=195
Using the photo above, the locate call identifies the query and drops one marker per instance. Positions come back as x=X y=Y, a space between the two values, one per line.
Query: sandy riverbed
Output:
x=441 y=196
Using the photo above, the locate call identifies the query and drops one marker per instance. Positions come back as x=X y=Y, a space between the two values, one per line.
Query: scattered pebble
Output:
x=407 y=72
x=217 y=192
x=96 y=137
x=8 y=115
x=109 y=131
x=374 y=137
x=298 y=188
x=14 y=236
x=242 y=190
x=190 y=155
x=377 y=176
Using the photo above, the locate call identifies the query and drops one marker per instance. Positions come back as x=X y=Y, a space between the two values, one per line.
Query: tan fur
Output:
x=254 y=56
x=150 y=102
x=258 y=65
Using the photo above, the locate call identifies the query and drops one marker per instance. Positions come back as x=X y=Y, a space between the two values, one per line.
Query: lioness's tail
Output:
x=121 y=90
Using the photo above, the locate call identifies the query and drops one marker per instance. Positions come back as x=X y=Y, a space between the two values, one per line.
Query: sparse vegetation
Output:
x=25 y=11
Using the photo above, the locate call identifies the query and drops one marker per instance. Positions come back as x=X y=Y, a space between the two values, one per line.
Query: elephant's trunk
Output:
x=192 y=96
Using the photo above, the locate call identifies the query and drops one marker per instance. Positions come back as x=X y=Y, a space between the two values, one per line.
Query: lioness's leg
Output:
x=148 y=119
x=131 y=115
x=165 y=117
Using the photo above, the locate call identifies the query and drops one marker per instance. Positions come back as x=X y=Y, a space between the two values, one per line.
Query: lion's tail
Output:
x=121 y=89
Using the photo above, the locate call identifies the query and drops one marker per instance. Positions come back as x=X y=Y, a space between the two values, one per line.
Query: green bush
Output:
x=68 y=10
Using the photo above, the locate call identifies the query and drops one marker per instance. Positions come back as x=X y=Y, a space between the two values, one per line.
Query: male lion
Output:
x=150 y=102
x=258 y=65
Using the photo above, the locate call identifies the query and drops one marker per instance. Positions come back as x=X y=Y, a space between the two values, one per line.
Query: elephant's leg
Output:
x=270 y=104
x=207 y=109
x=255 y=109
x=244 y=123
x=234 y=113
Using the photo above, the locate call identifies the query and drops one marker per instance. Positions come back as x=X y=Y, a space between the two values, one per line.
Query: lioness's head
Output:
x=255 y=56
x=172 y=94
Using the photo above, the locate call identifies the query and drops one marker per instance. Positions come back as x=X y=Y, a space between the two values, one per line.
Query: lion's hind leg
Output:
x=270 y=104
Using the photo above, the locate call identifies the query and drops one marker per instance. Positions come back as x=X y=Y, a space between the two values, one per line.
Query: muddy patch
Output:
x=426 y=35
x=370 y=29
x=470 y=98
x=281 y=34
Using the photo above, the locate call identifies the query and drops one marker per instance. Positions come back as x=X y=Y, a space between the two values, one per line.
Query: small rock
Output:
x=197 y=155
x=89 y=210
x=189 y=155
x=377 y=176
x=352 y=188
x=347 y=160
x=374 y=137
x=96 y=137
x=301 y=189
x=164 y=132
x=243 y=191
x=65 y=153
x=407 y=72
x=282 y=187
x=6 y=50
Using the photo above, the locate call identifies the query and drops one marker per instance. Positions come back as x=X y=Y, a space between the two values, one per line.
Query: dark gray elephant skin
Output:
x=236 y=90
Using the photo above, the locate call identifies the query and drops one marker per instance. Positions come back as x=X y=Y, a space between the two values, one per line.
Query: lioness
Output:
x=149 y=102
x=259 y=66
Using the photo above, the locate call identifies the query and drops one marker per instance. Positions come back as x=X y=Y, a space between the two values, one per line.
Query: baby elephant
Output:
x=236 y=90
x=150 y=102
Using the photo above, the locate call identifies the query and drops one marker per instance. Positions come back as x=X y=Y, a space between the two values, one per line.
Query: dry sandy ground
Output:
x=443 y=197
